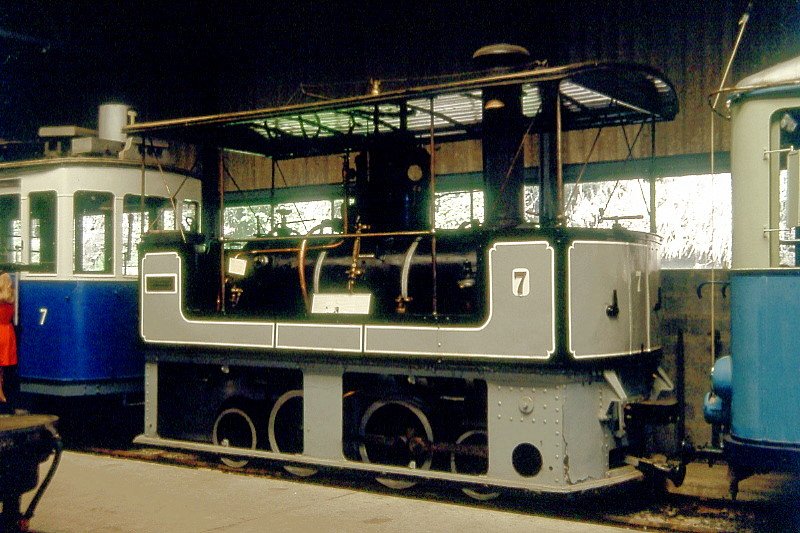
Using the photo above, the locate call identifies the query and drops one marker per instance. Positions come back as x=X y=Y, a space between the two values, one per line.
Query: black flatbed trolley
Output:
x=25 y=441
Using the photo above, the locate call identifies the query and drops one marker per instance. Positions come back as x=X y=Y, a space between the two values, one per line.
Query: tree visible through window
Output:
x=94 y=232
x=693 y=214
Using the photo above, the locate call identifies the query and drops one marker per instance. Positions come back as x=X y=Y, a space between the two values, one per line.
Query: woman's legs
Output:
x=3 y=398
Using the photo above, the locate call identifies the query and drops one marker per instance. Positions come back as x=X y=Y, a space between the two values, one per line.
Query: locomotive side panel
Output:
x=163 y=320
x=520 y=322
x=521 y=316
x=609 y=308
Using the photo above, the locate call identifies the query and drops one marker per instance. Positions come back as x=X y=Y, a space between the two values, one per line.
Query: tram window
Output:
x=154 y=208
x=42 y=243
x=10 y=229
x=788 y=121
x=94 y=232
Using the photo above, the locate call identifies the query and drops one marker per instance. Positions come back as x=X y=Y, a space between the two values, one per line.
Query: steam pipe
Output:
x=559 y=164
x=318 y=269
x=550 y=181
x=407 y=267
x=221 y=229
x=331 y=236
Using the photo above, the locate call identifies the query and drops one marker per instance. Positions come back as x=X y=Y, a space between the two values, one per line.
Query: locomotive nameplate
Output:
x=237 y=267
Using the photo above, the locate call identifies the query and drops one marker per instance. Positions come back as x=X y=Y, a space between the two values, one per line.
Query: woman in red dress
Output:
x=8 y=340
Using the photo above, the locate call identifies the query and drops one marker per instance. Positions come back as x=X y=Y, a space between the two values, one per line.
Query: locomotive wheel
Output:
x=234 y=427
x=284 y=432
x=473 y=465
x=398 y=433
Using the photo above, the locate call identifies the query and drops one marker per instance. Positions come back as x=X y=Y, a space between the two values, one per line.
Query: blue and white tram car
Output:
x=756 y=389
x=71 y=222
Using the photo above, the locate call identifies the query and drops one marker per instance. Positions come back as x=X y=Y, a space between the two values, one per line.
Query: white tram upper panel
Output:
x=76 y=211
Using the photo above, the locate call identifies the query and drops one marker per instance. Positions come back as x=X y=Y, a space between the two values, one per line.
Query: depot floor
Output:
x=91 y=493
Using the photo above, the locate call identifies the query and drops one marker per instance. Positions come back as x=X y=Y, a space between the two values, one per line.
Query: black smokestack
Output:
x=503 y=127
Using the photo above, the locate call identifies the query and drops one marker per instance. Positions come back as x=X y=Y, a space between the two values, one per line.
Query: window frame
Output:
x=42 y=267
x=9 y=252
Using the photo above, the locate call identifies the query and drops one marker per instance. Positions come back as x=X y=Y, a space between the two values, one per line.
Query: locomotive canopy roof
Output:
x=593 y=94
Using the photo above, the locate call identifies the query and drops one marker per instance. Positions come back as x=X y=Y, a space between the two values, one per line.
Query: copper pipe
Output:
x=288 y=250
x=338 y=236
x=142 y=197
x=301 y=272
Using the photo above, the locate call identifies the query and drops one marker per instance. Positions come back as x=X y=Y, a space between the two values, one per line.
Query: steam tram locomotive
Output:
x=504 y=355
x=70 y=222
x=756 y=389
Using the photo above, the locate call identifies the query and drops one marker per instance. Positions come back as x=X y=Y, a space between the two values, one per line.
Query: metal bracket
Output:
x=789 y=150
x=615 y=406
x=661 y=383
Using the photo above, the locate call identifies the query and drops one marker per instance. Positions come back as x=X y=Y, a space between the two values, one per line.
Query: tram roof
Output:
x=785 y=73
x=594 y=94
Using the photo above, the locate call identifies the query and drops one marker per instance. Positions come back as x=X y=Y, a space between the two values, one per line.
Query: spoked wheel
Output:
x=463 y=463
x=397 y=433
x=285 y=429
x=234 y=428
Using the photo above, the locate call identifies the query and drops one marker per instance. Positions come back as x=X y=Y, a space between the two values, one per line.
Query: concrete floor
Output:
x=94 y=493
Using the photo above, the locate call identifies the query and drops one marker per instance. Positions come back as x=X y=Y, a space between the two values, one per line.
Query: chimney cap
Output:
x=501 y=55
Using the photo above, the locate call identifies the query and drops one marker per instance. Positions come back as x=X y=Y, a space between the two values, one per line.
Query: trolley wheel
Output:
x=285 y=429
x=397 y=433
x=473 y=465
x=235 y=428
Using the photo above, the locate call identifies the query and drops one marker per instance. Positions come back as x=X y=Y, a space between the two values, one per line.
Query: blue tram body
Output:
x=79 y=337
x=757 y=388
x=765 y=370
